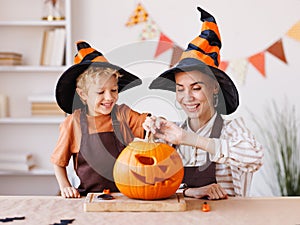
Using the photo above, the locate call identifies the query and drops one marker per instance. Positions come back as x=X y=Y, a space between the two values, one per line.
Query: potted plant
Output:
x=280 y=136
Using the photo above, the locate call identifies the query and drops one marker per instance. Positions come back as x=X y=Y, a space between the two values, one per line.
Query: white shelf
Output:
x=32 y=172
x=37 y=23
x=32 y=68
x=32 y=120
x=23 y=31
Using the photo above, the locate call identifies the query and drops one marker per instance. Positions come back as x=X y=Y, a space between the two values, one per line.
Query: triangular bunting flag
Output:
x=150 y=31
x=177 y=52
x=223 y=65
x=294 y=32
x=258 y=61
x=239 y=69
x=164 y=44
x=139 y=15
x=277 y=50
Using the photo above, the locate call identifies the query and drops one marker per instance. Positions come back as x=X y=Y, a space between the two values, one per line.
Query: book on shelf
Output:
x=53 y=47
x=57 y=58
x=43 y=105
x=40 y=108
x=3 y=106
x=16 y=161
x=10 y=58
x=47 y=46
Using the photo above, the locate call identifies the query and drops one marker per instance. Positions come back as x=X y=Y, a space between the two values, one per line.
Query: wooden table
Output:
x=255 y=211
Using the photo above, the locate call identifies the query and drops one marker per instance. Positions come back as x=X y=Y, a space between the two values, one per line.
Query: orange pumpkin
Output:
x=146 y=170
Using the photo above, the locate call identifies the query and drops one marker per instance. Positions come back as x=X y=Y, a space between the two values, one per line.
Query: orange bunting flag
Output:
x=277 y=50
x=258 y=61
x=223 y=65
x=177 y=52
x=139 y=15
x=294 y=32
x=164 y=44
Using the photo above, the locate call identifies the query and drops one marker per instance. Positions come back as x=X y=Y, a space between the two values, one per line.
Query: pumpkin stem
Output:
x=149 y=137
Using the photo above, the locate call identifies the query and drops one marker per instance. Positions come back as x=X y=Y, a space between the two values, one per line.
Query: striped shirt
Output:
x=237 y=155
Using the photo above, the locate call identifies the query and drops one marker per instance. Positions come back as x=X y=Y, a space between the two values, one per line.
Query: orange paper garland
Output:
x=257 y=60
x=164 y=44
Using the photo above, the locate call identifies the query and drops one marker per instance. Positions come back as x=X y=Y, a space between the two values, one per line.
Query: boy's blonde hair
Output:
x=95 y=75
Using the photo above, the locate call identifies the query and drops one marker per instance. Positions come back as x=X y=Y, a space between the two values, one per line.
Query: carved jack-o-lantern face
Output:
x=148 y=170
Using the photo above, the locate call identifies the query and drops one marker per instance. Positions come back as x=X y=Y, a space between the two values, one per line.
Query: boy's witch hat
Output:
x=203 y=54
x=66 y=95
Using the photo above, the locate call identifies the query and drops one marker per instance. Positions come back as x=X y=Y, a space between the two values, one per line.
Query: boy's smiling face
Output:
x=101 y=95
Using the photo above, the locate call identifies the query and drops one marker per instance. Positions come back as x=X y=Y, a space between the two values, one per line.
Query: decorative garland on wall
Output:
x=152 y=31
x=239 y=67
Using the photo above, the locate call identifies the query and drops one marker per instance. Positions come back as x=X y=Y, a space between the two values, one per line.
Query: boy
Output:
x=97 y=129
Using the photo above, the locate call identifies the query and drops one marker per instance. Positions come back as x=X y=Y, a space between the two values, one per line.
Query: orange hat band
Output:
x=86 y=52
x=213 y=27
x=99 y=59
x=197 y=54
x=203 y=43
x=82 y=53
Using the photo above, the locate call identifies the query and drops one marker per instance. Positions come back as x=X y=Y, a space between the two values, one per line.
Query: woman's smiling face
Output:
x=194 y=92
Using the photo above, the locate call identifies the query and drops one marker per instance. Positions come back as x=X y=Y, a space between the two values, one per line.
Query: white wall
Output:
x=247 y=27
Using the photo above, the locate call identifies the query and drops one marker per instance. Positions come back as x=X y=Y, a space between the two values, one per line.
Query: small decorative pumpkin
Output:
x=146 y=170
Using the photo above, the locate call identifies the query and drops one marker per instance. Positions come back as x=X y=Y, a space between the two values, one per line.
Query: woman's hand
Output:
x=164 y=129
x=211 y=191
x=70 y=192
x=169 y=132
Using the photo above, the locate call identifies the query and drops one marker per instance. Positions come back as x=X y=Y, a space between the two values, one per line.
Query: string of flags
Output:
x=239 y=67
x=152 y=31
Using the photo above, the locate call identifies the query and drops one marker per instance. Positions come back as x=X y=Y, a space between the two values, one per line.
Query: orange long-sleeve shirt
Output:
x=70 y=132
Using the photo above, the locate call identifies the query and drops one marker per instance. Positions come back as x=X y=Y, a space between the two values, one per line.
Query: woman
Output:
x=219 y=155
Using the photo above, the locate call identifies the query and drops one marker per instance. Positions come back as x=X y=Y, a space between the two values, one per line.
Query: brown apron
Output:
x=199 y=176
x=96 y=157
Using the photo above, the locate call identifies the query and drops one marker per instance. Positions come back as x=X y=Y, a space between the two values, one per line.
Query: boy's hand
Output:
x=70 y=192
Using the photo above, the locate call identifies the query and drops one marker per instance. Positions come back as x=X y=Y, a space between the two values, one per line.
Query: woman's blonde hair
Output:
x=94 y=75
